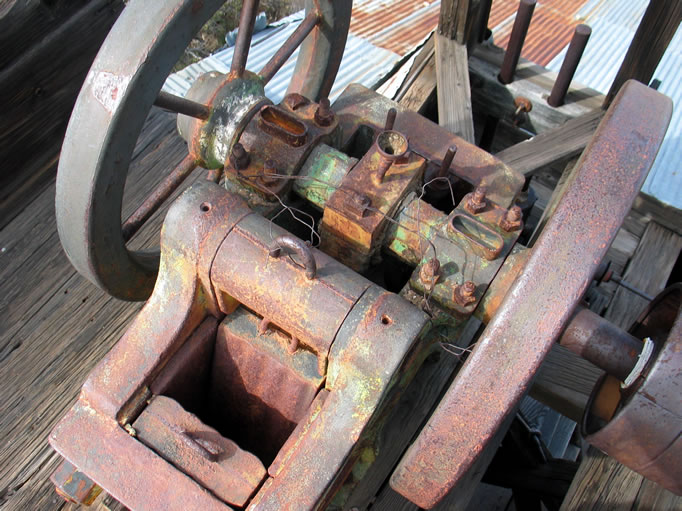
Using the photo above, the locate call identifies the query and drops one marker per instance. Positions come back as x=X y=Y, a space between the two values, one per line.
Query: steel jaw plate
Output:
x=219 y=395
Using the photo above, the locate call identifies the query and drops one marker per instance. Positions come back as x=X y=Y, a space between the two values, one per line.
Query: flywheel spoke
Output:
x=289 y=46
x=241 y=47
x=181 y=105
x=164 y=190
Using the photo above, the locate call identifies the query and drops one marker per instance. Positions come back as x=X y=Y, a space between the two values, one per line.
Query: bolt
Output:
x=430 y=272
x=476 y=201
x=447 y=161
x=239 y=157
x=74 y=486
x=522 y=104
x=390 y=119
x=324 y=115
x=464 y=294
x=512 y=219
x=270 y=173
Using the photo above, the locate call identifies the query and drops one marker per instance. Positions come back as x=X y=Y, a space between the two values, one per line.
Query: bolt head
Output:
x=512 y=220
x=476 y=201
x=430 y=272
x=464 y=294
x=324 y=116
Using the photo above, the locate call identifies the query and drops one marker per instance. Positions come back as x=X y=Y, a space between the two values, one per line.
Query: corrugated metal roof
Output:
x=551 y=27
x=613 y=26
x=362 y=62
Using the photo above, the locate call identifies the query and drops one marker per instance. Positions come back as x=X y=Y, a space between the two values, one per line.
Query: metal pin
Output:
x=569 y=65
x=390 y=119
x=447 y=161
x=518 y=36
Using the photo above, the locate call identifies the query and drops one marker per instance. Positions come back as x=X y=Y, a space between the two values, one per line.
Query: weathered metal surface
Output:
x=361 y=383
x=259 y=391
x=644 y=433
x=198 y=450
x=120 y=89
x=359 y=106
x=234 y=101
x=602 y=343
x=541 y=299
x=279 y=289
x=356 y=214
x=74 y=486
x=281 y=137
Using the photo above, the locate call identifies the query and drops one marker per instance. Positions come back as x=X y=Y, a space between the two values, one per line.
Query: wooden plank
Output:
x=564 y=382
x=419 y=88
x=56 y=326
x=454 y=21
x=38 y=91
x=532 y=81
x=648 y=270
x=25 y=23
x=454 y=90
x=655 y=31
x=603 y=484
x=565 y=141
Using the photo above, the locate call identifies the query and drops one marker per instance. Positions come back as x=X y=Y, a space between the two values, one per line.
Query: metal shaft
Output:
x=287 y=49
x=602 y=343
x=518 y=36
x=182 y=106
x=241 y=46
x=569 y=65
x=157 y=197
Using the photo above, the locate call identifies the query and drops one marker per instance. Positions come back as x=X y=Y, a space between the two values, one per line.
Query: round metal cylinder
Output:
x=602 y=343
x=569 y=65
x=518 y=36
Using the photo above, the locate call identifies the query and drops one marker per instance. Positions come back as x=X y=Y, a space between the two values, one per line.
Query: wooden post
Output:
x=655 y=31
x=455 y=30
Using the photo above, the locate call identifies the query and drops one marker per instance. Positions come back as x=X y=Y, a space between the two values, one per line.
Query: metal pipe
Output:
x=181 y=105
x=289 y=47
x=569 y=65
x=515 y=45
x=164 y=190
x=241 y=46
x=483 y=20
x=602 y=343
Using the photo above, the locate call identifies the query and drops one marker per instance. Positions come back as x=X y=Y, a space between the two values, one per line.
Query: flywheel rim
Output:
x=109 y=114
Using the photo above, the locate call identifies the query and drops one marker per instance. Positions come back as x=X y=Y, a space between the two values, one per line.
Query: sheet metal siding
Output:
x=613 y=26
x=362 y=63
x=550 y=29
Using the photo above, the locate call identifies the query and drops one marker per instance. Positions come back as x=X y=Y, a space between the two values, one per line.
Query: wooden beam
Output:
x=648 y=270
x=566 y=141
x=603 y=484
x=490 y=97
x=454 y=91
x=458 y=20
x=655 y=31
x=419 y=88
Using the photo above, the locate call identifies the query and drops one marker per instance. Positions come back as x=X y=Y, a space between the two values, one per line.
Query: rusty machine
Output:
x=261 y=369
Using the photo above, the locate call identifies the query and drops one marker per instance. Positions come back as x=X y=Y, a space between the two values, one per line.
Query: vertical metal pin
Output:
x=518 y=36
x=569 y=65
